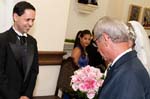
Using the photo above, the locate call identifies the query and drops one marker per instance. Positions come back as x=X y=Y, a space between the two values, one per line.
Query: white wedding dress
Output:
x=142 y=44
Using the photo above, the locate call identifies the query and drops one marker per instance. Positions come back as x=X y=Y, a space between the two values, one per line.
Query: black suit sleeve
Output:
x=5 y=91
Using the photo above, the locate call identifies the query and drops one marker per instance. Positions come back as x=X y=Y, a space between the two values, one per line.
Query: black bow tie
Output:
x=22 y=40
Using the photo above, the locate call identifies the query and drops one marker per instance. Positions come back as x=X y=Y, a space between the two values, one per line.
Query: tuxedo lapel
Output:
x=16 y=53
x=30 y=54
x=13 y=43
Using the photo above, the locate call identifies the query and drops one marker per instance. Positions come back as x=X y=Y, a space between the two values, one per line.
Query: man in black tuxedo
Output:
x=19 y=58
x=126 y=77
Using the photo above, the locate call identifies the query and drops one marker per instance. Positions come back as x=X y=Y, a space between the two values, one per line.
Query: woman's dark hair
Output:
x=79 y=35
x=20 y=7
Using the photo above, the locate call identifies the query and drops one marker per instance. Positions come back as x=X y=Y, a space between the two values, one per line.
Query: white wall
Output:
x=49 y=30
x=78 y=21
x=46 y=81
x=5 y=17
x=51 y=23
x=114 y=8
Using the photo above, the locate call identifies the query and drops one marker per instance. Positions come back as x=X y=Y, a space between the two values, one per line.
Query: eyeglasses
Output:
x=94 y=44
x=97 y=38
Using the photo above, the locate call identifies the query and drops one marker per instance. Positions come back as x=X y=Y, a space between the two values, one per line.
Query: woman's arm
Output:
x=76 y=53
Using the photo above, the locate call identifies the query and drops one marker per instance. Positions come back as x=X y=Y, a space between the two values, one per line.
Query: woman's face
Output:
x=85 y=40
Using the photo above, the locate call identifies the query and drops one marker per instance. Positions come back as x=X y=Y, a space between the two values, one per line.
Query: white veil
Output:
x=142 y=44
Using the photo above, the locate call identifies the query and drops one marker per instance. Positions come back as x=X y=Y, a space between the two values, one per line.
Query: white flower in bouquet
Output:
x=87 y=80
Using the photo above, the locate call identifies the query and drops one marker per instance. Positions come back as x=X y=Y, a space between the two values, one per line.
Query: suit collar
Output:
x=19 y=33
x=124 y=58
x=119 y=56
x=119 y=63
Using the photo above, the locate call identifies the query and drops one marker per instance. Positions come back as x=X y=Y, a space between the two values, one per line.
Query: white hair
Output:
x=117 y=30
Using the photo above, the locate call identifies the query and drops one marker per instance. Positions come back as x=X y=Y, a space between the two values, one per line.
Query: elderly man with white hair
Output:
x=126 y=77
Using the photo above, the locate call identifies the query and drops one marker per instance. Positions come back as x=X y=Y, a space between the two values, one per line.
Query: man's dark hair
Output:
x=20 y=7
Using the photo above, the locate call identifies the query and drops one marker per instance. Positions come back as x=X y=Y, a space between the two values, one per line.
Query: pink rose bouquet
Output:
x=87 y=80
